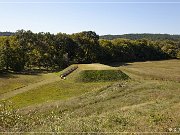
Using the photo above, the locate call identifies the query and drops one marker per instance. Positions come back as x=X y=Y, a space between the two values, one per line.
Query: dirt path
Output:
x=29 y=87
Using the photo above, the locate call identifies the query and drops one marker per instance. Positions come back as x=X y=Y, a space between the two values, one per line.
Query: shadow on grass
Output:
x=116 y=64
x=6 y=75
x=12 y=74
x=32 y=72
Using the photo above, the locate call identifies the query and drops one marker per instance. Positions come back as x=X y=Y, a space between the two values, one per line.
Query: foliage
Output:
x=27 y=50
x=88 y=46
x=1 y=59
x=128 y=50
x=153 y=37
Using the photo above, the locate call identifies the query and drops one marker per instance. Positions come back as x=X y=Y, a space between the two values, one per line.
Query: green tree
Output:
x=64 y=45
x=2 y=63
x=88 y=46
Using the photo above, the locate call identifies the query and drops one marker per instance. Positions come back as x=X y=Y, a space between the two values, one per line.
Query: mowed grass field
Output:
x=148 y=102
x=10 y=82
x=25 y=90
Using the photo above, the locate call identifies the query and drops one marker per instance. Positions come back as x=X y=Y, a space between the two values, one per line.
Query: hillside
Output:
x=6 y=33
x=44 y=87
x=141 y=36
x=148 y=102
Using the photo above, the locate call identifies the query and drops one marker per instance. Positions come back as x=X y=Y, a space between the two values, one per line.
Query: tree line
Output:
x=6 y=33
x=153 y=37
x=27 y=50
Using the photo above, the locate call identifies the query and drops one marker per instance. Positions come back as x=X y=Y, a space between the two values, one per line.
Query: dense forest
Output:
x=27 y=50
x=153 y=37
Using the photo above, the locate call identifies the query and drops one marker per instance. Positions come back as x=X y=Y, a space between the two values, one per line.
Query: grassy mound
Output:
x=101 y=75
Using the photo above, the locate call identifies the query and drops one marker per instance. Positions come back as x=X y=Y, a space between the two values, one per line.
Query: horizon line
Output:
x=95 y=32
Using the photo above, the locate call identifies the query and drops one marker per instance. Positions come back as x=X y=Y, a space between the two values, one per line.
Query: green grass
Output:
x=157 y=70
x=101 y=75
x=10 y=82
x=148 y=102
x=59 y=90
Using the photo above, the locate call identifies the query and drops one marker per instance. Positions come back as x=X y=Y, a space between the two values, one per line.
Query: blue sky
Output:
x=103 y=18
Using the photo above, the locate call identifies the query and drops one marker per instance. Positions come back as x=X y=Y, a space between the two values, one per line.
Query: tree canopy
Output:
x=141 y=36
x=27 y=50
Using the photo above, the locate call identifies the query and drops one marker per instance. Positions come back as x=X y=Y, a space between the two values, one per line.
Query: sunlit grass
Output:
x=59 y=90
x=148 y=102
x=10 y=82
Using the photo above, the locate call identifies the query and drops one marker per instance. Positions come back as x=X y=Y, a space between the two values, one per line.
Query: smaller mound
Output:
x=101 y=75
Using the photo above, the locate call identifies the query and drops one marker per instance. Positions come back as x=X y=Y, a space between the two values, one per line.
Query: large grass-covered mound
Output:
x=101 y=75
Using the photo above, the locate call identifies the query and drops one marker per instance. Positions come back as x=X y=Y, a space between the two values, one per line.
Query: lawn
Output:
x=10 y=82
x=49 y=87
x=148 y=102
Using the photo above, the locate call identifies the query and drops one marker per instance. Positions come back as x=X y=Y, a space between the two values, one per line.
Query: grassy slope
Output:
x=150 y=101
x=158 y=70
x=57 y=90
x=10 y=82
x=101 y=75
